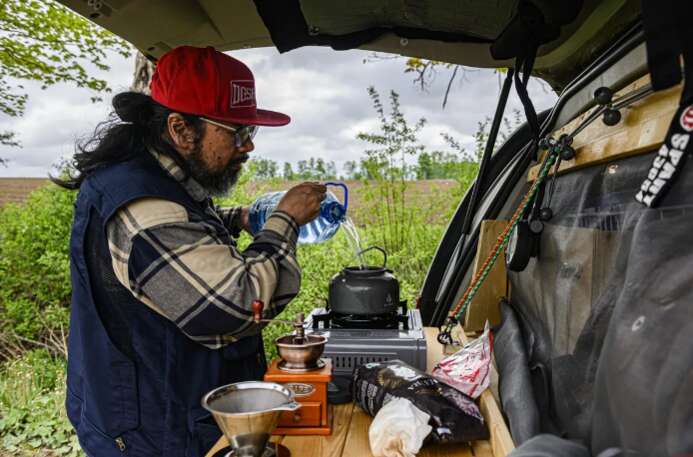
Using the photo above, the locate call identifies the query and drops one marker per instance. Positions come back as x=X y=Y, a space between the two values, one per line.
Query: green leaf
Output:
x=48 y=43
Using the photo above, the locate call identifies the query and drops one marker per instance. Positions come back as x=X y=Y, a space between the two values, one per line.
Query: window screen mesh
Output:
x=606 y=313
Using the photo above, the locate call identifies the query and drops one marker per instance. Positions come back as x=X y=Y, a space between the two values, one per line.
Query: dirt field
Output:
x=417 y=190
x=16 y=190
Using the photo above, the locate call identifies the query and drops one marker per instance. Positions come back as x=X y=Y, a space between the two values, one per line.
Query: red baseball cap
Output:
x=206 y=82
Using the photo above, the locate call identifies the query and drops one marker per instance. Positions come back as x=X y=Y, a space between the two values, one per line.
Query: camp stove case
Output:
x=350 y=348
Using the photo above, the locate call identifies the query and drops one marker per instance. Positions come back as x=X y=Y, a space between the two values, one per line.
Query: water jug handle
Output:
x=377 y=248
x=346 y=191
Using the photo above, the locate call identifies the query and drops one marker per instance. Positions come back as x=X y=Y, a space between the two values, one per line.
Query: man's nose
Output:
x=247 y=147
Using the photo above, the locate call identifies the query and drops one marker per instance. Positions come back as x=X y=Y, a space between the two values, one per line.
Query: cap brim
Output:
x=263 y=118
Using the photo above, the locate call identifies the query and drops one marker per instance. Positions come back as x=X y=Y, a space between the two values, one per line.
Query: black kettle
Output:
x=367 y=291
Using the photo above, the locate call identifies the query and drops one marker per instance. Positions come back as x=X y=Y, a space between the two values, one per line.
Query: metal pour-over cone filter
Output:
x=247 y=413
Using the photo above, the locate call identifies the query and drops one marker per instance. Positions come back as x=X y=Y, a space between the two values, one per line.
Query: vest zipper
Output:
x=121 y=444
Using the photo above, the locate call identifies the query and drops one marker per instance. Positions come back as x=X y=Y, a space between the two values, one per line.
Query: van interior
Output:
x=588 y=206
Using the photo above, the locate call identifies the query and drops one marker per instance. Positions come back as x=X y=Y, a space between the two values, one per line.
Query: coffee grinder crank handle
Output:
x=258 y=306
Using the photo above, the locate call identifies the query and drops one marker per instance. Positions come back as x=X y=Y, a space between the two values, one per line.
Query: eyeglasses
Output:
x=241 y=134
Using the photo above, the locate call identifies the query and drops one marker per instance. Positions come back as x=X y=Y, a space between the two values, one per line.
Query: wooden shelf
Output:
x=350 y=425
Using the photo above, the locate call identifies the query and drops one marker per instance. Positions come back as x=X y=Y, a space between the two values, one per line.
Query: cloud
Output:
x=324 y=91
x=365 y=125
x=56 y=117
x=432 y=138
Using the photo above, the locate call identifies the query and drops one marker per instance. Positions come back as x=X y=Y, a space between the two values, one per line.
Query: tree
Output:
x=425 y=71
x=331 y=170
x=319 y=170
x=424 y=166
x=303 y=170
x=442 y=165
x=288 y=172
x=315 y=170
x=396 y=140
x=507 y=127
x=44 y=41
x=352 y=170
x=265 y=168
x=386 y=164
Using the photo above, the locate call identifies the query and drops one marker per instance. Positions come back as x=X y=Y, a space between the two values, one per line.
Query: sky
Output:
x=324 y=92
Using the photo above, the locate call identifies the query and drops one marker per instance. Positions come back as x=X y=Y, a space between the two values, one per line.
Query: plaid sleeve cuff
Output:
x=232 y=218
x=284 y=225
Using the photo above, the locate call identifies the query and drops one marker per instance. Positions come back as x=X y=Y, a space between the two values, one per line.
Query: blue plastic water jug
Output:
x=322 y=228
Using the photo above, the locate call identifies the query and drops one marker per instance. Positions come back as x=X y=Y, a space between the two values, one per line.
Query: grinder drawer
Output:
x=308 y=415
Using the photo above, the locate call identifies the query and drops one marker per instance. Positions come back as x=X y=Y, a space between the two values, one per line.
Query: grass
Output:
x=33 y=420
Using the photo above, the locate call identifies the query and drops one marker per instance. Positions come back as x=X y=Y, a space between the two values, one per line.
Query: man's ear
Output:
x=181 y=133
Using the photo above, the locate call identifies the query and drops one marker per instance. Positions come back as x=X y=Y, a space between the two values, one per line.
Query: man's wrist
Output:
x=245 y=219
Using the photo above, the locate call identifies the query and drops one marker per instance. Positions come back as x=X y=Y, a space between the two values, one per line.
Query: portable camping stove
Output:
x=353 y=340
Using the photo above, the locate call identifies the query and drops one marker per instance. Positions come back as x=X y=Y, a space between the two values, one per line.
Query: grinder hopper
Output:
x=247 y=413
x=299 y=352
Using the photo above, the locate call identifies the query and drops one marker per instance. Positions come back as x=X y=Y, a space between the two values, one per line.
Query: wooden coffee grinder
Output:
x=301 y=369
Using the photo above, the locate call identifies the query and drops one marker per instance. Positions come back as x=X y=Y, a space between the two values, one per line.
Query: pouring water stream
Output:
x=354 y=240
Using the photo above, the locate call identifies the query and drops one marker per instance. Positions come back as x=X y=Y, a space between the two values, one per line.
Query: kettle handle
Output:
x=346 y=191
x=377 y=248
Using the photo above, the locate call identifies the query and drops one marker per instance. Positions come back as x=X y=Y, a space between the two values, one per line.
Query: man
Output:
x=161 y=304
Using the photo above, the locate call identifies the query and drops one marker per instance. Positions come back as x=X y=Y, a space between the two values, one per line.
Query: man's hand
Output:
x=302 y=202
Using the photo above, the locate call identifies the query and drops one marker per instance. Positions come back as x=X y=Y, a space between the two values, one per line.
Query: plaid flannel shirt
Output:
x=181 y=270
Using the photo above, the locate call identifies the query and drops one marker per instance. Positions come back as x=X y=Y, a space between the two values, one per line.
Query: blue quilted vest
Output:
x=134 y=380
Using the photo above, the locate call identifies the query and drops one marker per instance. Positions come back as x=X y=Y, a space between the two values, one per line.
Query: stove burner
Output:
x=386 y=321
x=392 y=320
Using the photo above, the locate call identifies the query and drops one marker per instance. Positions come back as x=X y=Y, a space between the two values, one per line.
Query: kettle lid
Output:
x=365 y=272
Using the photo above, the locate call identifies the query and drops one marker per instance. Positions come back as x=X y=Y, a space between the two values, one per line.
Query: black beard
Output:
x=217 y=183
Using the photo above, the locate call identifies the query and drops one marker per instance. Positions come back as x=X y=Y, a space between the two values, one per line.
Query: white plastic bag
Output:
x=398 y=430
x=468 y=370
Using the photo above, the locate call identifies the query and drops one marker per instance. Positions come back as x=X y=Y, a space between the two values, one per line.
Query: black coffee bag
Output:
x=455 y=417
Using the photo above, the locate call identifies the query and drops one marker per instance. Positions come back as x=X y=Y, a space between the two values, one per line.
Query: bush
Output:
x=34 y=272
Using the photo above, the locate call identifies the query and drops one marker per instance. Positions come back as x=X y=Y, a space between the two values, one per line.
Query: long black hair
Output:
x=136 y=123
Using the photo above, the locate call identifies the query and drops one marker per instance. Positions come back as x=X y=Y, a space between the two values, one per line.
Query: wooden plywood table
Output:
x=350 y=425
